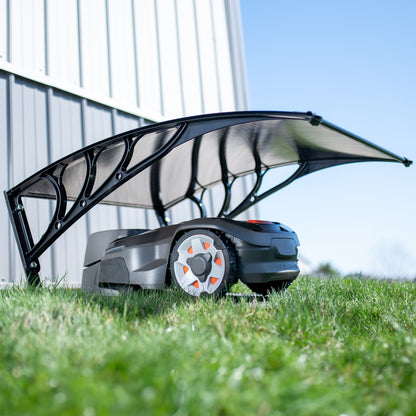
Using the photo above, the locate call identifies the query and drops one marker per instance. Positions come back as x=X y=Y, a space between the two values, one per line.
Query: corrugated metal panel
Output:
x=189 y=58
x=235 y=36
x=148 y=55
x=63 y=41
x=3 y=30
x=4 y=178
x=222 y=49
x=124 y=122
x=170 y=57
x=27 y=34
x=94 y=47
x=169 y=63
x=122 y=59
x=207 y=56
x=166 y=57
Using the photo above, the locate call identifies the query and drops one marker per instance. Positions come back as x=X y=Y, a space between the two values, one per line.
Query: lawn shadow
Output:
x=140 y=304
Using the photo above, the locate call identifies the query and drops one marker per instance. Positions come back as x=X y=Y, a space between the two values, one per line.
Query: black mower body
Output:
x=265 y=252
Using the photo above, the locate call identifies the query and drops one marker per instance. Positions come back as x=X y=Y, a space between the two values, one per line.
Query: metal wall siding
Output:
x=232 y=12
x=169 y=54
x=189 y=59
x=207 y=56
x=66 y=125
x=147 y=56
x=123 y=77
x=165 y=57
x=3 y=30
x=124 y=122
x=94 y=47
x=4 y=176
x=222 y=47
x=62 y=41
x=27 y=34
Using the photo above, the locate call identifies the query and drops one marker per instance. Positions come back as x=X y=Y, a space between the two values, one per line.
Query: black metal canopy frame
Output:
x=180 y=160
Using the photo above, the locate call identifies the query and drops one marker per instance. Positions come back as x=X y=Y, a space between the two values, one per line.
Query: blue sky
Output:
x=354 y=63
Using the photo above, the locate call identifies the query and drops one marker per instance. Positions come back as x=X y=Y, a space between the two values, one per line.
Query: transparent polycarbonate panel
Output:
x=39 y=214
x=106 y=162
x=325 y=138
x=134 y=193
x=148 y=144
x=175 y=172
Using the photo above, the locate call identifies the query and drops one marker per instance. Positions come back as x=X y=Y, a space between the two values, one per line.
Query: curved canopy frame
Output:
x=179 y=160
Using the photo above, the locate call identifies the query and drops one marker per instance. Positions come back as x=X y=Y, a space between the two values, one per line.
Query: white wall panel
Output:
x=124 y=122
x=133 y=217
x=121 y=49
x=4 y=176
x=189 y=59
x=27 y=32
x=147 y=55
x=168 y=49
x=3 y=30
x=222 y=49
x=65 y=125
x=29 y=129
x=94 y=54
x=207 y=56
x=62 y=40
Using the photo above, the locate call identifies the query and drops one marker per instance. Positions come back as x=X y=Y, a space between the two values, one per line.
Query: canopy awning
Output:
x=160 y=165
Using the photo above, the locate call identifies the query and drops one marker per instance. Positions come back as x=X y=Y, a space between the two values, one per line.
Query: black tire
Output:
x=269 y=287
x=203 y=263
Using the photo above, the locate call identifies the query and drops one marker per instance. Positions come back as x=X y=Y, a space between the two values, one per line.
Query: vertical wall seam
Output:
x=198 y=54
x=81 y=72
x=8 y=31
x=110 y=72
x=10 y=134
x=113 y=132
x=217 y=72
x=178 y=45
x=46 y=35
x=159 y=64
x=235 y=42
x=231 y=51
x=83 y=144
x=49 y=95
x=136 y=64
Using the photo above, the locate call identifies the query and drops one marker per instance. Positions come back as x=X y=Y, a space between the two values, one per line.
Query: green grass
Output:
x=323 y=347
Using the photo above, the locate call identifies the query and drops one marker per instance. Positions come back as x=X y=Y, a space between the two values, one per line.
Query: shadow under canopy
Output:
x=163 y=164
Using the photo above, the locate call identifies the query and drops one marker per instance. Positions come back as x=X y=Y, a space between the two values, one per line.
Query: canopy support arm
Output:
x=190 y=193
x=254 y=199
